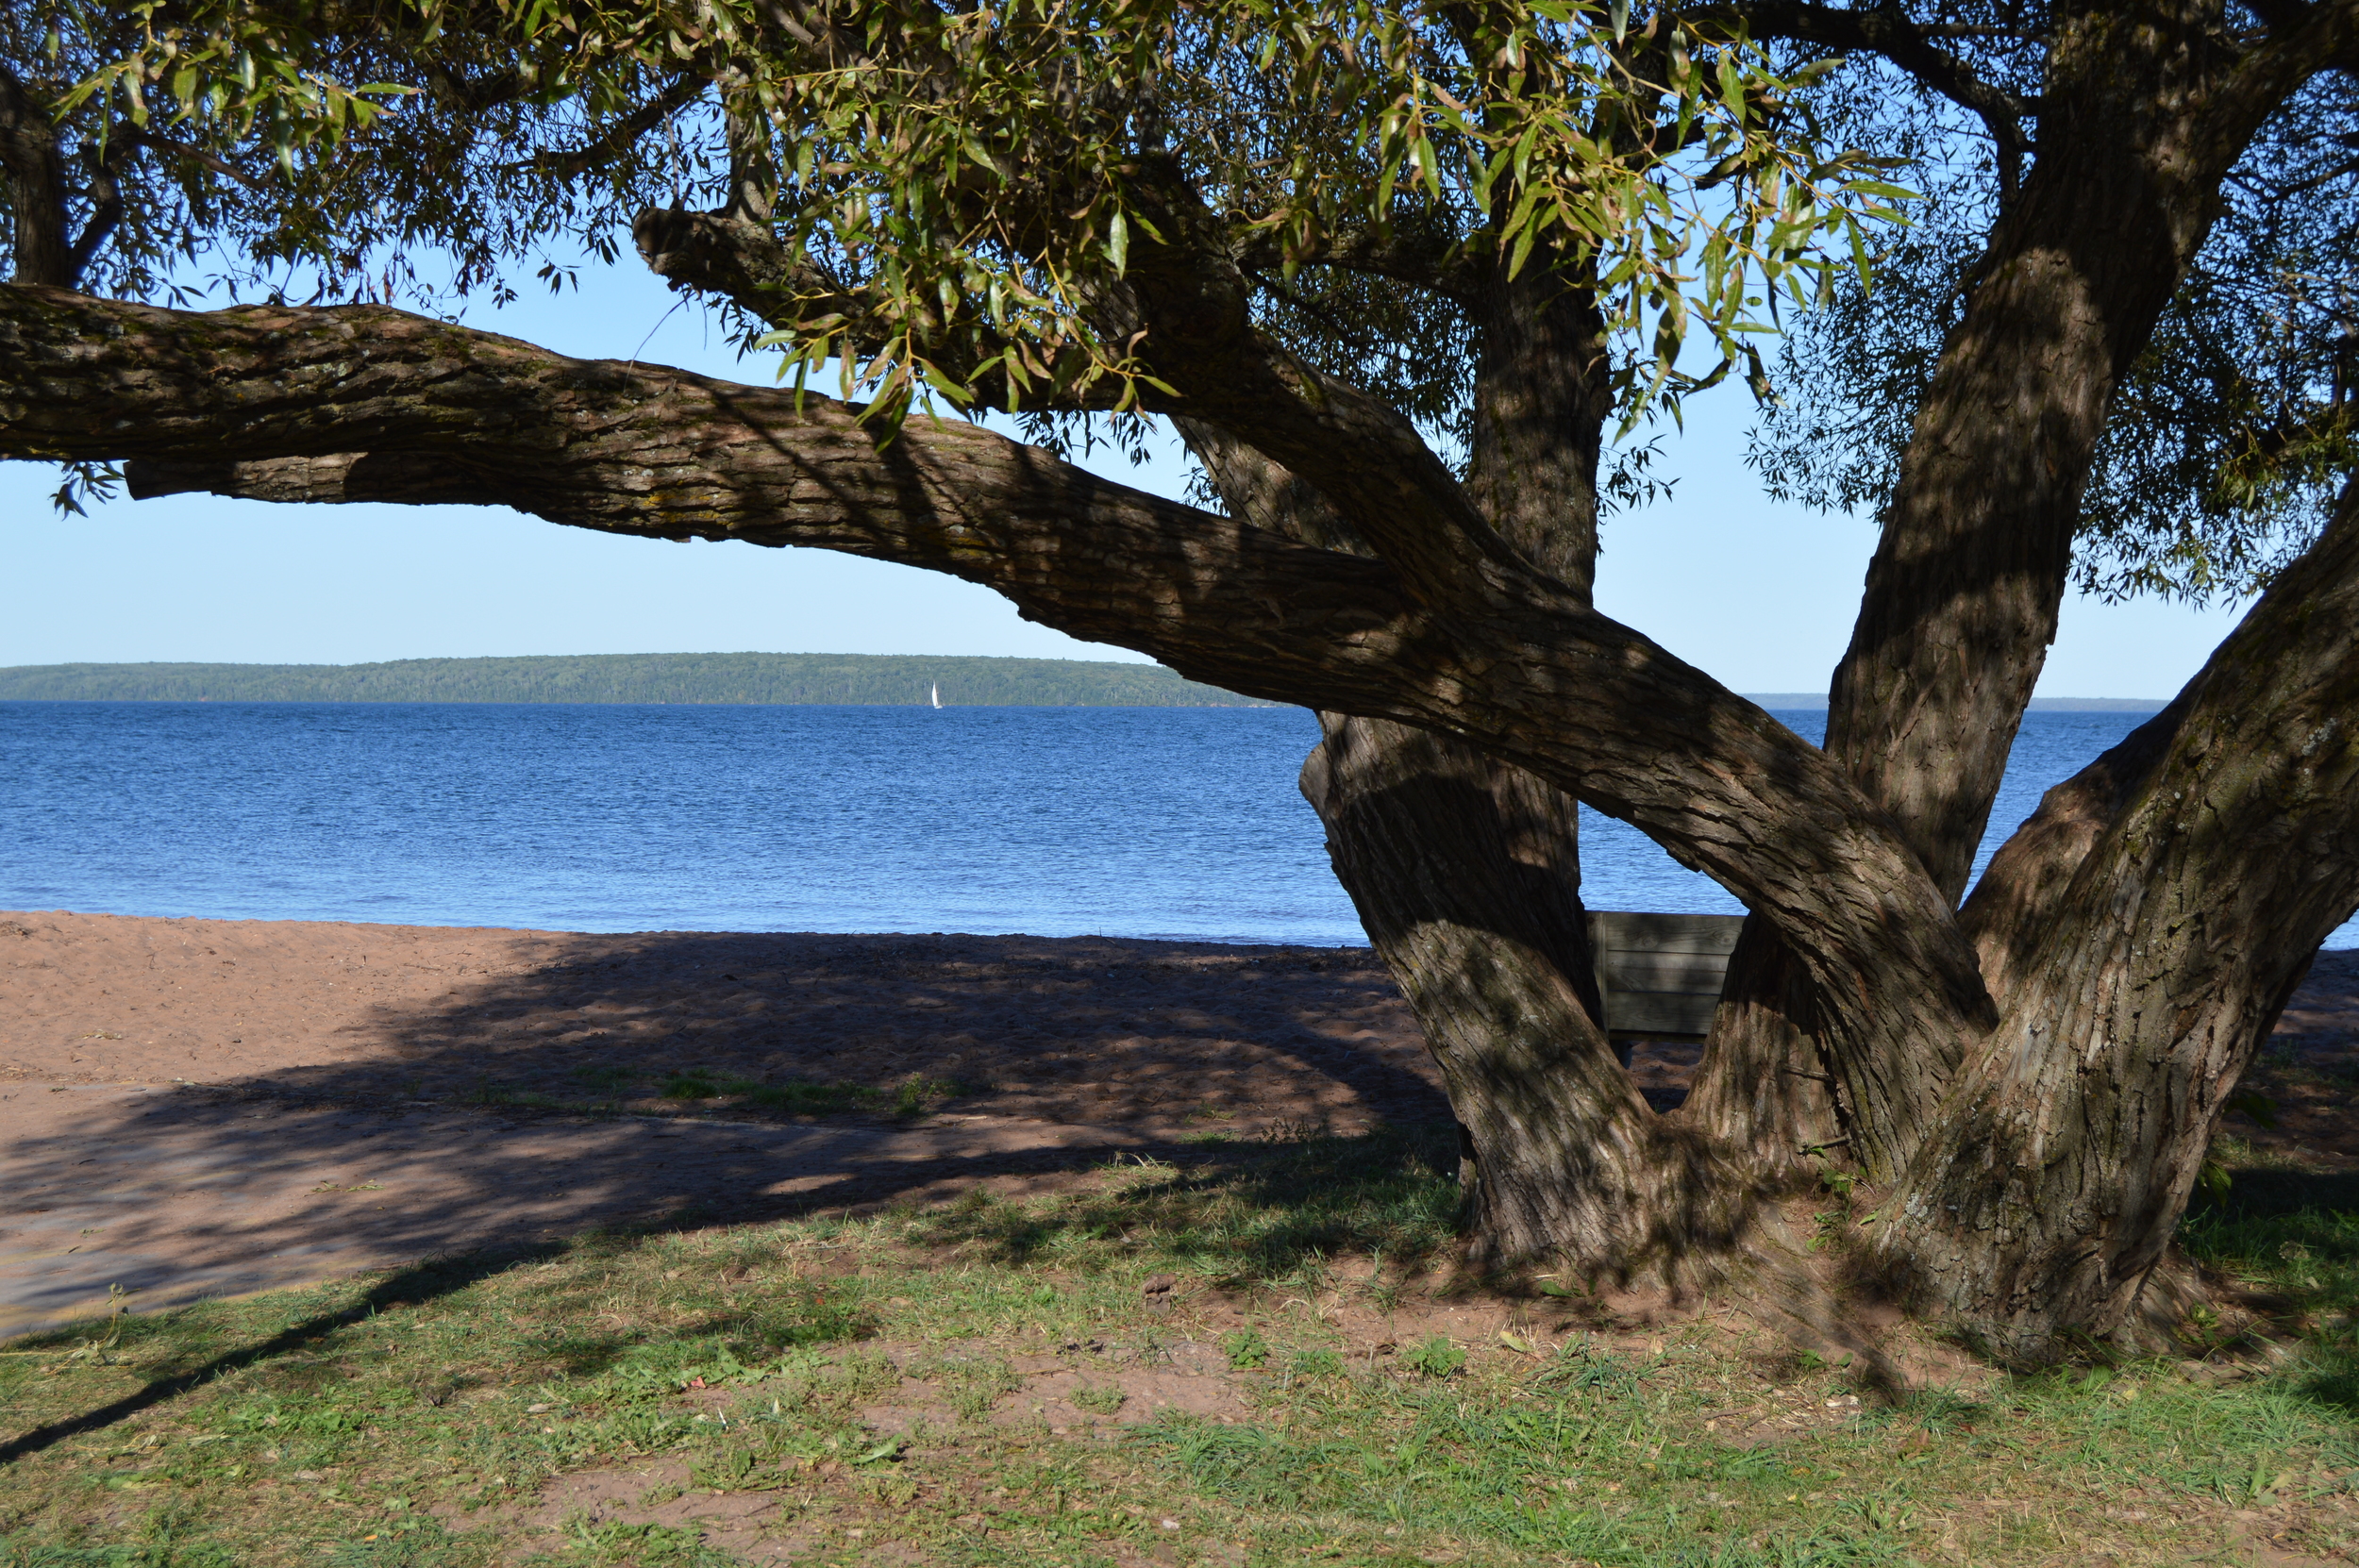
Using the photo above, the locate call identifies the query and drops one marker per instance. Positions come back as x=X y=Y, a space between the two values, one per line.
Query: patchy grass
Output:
x=993 y=1383
x=610 y=1090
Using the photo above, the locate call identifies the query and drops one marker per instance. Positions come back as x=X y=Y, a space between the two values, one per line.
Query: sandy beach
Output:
x=198 y=1107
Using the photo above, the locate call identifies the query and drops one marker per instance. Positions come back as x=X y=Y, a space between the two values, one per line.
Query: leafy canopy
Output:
x=957 y=187
x=2231 y=434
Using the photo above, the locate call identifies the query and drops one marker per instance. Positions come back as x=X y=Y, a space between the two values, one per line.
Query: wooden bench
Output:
x=1660 y=975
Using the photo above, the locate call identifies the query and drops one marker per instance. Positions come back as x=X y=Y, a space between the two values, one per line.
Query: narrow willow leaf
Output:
x=1429 y=168
x=1522 y=253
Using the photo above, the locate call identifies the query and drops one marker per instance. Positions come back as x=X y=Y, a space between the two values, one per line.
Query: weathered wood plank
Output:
x=1665 y=933
x=1660 y=975
x=1682 y=972
x=1659 y=1015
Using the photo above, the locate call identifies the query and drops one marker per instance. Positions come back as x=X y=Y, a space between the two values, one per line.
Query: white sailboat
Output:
x=937 y=693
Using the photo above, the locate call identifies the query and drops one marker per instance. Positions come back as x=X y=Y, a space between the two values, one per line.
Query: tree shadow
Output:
x=1267 y=1209
x=2281 y=1193
x=1073 y=1030
x=507 y=1113
x=1249 y=1213
x=405 y=1286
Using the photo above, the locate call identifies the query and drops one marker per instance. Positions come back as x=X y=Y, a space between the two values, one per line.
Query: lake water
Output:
x=1140 y=822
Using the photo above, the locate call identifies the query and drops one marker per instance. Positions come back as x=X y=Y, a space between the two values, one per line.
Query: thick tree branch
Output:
x=1883 y=30
x=737 y=259
x=2324 y=37
x=35 y=168
x=2013 y=905
x=1420 y=262
x=1529 y=674
x=1193 y=304
x=1263 y=495
x=2229 y=856
x=1976 y=541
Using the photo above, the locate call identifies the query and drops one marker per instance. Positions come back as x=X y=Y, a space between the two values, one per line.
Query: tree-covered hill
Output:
x=736 y=677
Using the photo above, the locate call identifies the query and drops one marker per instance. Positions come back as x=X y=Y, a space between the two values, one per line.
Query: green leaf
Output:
x=1118 y=243
x=1731 y=83
x=2255 y=1105
x=1429 y=168
x=1866 y=268
x=1522 y=253
x=942 y=384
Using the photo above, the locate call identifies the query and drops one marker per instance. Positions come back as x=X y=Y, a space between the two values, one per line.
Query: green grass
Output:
x=426 y=1418
x=610 y=1090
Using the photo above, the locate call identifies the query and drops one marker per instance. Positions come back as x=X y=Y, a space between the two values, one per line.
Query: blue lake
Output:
x=1180 y=823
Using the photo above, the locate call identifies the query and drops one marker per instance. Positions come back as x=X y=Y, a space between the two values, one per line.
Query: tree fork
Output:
x=1466 y=871
x=1976 y=546
x=2064 y=1157
x=1458 y=867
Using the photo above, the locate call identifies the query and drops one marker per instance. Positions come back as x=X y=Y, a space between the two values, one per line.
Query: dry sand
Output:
x=194 y=1108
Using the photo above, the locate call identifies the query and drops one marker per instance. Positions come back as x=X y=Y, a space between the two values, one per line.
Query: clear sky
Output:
x=1760 y=595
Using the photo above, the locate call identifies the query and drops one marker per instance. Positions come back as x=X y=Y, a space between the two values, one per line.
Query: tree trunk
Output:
x=1464 y=874
x=364 y=403
x=42 y=240
x=1764 y=1090
x=2070 y=1146
x=1465 y=870
x=1976 y=543
x=2020 y=891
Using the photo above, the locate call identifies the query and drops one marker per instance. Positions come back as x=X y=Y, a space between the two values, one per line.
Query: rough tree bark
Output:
x=2071 y=1141
x=357 y=404
x=2038 y=1074
x=1455 y=863
x=2143 y=112
x=1465 y=870
x=2135 y=936
x=41 y=242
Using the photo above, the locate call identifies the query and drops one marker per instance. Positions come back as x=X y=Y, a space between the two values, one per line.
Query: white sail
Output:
x=937 y=693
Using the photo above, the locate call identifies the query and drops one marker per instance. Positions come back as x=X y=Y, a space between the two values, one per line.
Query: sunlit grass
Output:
x=416 y=1418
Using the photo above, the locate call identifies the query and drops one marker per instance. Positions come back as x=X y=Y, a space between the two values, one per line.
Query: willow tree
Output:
x=1398 y=274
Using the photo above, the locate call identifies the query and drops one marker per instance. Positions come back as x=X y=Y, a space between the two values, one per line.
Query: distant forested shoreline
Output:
x=858 y=680
x=751 y=679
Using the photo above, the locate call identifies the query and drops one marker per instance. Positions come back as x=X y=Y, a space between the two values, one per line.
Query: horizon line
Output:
x=1765 y=699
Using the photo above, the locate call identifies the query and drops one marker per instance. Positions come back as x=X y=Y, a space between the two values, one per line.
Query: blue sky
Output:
x=1761 y=596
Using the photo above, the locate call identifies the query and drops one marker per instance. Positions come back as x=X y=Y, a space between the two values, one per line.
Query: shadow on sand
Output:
x=1085 y=1029
x=524 y=1108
